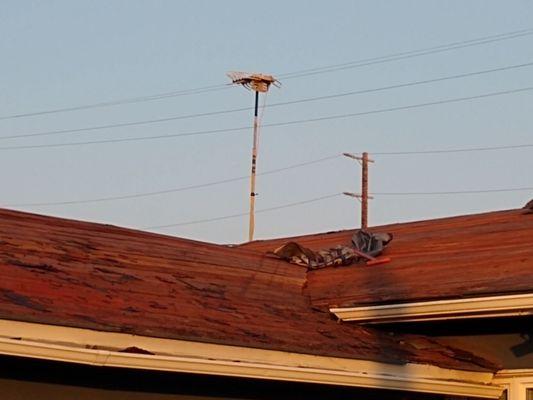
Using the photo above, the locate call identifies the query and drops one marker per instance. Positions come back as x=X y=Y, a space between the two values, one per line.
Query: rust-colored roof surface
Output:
x=72 y=273
x=467 y=256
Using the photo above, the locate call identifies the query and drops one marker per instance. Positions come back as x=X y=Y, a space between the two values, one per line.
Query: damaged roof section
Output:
x=364 y=246
x=472 y=256
x=92 y=276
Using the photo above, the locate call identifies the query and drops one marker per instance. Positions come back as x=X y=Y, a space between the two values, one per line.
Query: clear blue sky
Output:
x=66 y=53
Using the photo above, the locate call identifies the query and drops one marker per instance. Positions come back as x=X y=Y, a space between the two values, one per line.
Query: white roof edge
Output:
x=475 y=307
x=514 y=373
x=103 y=349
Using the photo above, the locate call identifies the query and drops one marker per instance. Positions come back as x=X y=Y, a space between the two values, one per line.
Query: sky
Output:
x=62 y=54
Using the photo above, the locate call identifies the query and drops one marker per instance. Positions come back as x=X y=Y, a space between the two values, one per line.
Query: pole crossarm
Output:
x=358 y=158
x=356 y=195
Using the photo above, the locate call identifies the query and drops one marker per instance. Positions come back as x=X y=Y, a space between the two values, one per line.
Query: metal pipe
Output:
x=251 y=227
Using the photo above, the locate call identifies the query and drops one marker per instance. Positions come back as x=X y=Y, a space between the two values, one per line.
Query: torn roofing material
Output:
x=78 y=274
x=489 y=254
x=364 y=246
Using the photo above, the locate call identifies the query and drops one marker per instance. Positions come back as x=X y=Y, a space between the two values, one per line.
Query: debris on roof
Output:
x=365 y=247
x=488 y=254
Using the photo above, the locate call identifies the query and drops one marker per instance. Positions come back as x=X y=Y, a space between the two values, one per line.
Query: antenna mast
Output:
x=257 y=83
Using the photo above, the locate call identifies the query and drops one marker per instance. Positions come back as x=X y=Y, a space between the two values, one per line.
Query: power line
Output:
x=130 y=100
x=273 y=171
x=304 y=100
x=276 y=124
x=451 y=192
x=462 y=150
x=174 y=190
x=408 y=54
x=400 y=108
x=295 y=74
x=199 y=221
x=124 y=124
x=402 y=85
x=316 y=199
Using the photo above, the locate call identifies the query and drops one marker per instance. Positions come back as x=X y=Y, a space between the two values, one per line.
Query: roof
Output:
x=78 y=274
x=487 y=254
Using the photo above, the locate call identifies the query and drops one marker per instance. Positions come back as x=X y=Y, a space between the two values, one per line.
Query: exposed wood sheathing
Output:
x=467 y=256
x=78 y=274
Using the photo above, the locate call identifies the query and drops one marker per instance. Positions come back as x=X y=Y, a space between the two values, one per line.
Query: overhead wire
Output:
x=407 y=54
x=268 y=172
x=301 y=73
x=447 y=151
x=316 y=199
x=130 y=100
x=295 y=74
x=520 y=189
x=402 y=85
x=263 y=210
x=275 y=124
x=174 y=190
x=285 y=103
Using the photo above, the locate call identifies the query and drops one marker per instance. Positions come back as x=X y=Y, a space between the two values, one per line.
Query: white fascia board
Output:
x=103 y=349
x=526 y=373
x=480 y=307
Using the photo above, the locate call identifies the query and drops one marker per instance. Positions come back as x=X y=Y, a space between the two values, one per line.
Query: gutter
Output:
x=107 y=350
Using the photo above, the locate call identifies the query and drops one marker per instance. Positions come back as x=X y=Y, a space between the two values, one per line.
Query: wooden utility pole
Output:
x=364 y=191
x=257 y=83
x=363 y=196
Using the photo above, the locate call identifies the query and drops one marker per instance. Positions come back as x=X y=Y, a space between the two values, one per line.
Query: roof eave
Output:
x=476 y=307
x=104 y=349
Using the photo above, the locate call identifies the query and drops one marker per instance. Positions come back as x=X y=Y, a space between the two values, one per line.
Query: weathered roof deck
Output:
x=141 y=300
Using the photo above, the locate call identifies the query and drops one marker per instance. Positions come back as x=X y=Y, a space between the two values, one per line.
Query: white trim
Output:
x=516 y=381
x=524 y=373
x=102 y=348
x=481 y=307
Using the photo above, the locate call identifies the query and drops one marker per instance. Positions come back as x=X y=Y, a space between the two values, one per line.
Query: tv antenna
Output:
x=259 y=83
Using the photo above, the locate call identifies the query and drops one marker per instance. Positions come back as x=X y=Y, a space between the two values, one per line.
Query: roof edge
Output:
x=371 y=228
x=111 y=349
x=472 y=307
x=108 y=227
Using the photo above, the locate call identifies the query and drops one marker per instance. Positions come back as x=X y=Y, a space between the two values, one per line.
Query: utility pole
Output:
x=363 y=196
x=364 y=191
x=258 y=83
